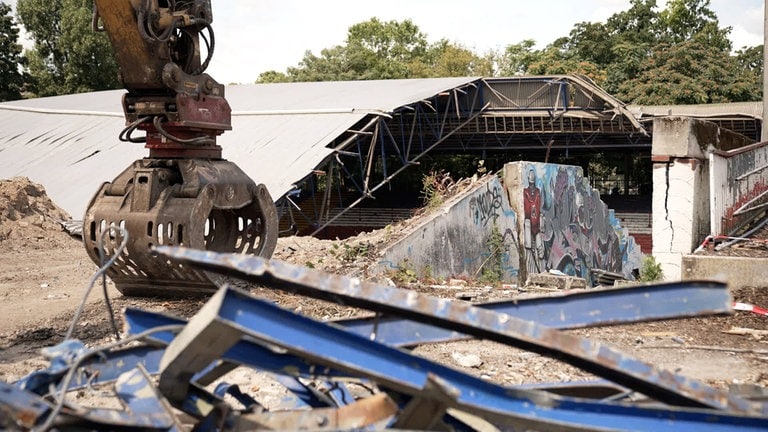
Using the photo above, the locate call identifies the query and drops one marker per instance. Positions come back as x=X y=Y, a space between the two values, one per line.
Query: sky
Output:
x=255 y=36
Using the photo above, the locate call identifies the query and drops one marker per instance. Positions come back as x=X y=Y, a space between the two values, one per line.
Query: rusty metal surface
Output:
x=588 y=355
x=587 y=308
x=195 y=203
x=427 y=409
x=241 y=321
x=235 y=312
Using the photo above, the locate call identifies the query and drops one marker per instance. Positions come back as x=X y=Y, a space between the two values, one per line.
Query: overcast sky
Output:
x=254 y=36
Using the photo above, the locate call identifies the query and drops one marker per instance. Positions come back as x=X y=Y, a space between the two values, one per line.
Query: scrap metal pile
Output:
x=356 y=373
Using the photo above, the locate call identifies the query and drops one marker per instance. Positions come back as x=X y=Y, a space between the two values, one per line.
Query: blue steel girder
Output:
x=146 y=409
x=21 y=409
x=286 y=368
x=563 y=311
x=598 y=307
x=110 y=365
x=234 y=313
x=590 y=356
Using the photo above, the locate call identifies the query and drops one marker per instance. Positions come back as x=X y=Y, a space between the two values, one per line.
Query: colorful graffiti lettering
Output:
x=568 y=228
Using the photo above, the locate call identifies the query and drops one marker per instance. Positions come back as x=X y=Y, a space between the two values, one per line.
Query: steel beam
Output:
x=21 y=409
x=589 y=308
x=588 y=355
x=237 y=313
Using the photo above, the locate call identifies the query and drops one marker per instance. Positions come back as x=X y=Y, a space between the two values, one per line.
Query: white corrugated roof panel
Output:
x=70 y=143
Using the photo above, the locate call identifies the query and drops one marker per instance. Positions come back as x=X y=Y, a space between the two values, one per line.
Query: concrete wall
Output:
x=738 y=186
x=681 y=186
x=548 y=216
x=454 y=240
x=564 y=225
x=737 y=271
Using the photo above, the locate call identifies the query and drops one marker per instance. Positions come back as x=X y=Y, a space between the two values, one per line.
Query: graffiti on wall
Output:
x=567 y=227
x=486 y=206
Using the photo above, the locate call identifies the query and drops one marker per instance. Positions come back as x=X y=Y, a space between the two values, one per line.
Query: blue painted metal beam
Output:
x=107 y=366
x=237 y=313
x=588 y=355
x=137 y=391
x=21 y=409
x=589 y=308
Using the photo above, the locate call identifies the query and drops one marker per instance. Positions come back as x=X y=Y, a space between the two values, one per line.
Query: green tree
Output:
x=643 y=55
x=555 y=59
x=684 y=19
x=376 y=49
x=385 y=50
x=517 y=58
x=68 y=56
x=447 y=59
x=272 y=76
x=691 y=72
x=11 y=61
x=331 y=65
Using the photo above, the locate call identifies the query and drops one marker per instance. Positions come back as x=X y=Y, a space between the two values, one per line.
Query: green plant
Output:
x=492 y=269
x=427 y=272
x=352 y=253
x=404 y=274
x=435 y=187
x=651 y=270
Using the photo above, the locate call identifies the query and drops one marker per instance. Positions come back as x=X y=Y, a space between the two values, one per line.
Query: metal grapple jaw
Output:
x=202 y=204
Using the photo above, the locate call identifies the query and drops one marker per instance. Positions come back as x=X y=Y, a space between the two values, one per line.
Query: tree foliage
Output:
x=68 y=56
x=377 y=49
x=11 y=76
x=690 y=72
x=646 y=55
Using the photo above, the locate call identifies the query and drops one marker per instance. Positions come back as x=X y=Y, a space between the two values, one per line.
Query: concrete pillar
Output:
x=680 y=210
x=681 y=192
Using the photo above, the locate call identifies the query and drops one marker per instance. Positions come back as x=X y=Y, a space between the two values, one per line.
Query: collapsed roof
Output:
x=284 y=132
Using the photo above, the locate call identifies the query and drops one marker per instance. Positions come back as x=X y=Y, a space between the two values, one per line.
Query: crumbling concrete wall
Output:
x=541 y=217
x=681 y=186
x=456 y=240
x=564 y=225
x=739 y=187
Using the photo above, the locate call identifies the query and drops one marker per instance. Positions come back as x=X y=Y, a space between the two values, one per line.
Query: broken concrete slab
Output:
x=562 y=282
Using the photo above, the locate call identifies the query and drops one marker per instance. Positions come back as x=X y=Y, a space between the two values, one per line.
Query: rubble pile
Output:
x=27 y=214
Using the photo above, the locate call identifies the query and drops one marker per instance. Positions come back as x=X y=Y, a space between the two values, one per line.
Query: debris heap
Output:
x=27 y=214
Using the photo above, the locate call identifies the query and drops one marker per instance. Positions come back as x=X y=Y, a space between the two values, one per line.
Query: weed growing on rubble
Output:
x=435 y=187
x=651 y=270
x=352 y=253
x=492 y=269
x=404 y=274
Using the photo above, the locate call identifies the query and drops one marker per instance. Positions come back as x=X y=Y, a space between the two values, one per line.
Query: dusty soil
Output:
x=44 y=274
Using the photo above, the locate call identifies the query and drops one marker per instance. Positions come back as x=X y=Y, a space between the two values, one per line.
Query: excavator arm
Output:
x=184 y=193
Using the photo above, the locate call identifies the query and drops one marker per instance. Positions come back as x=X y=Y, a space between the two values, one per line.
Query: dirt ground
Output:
x=44 y=274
